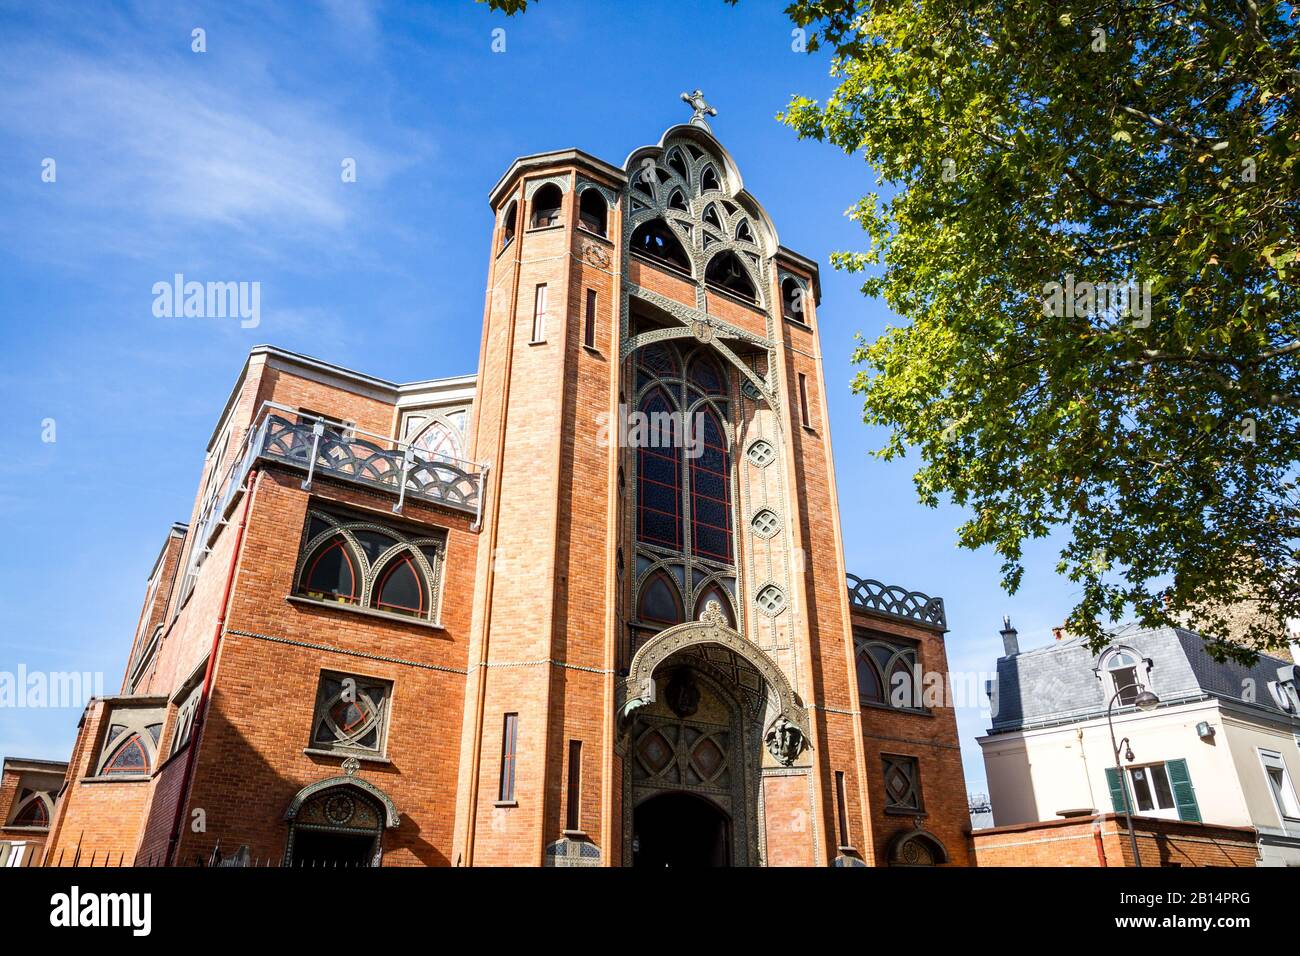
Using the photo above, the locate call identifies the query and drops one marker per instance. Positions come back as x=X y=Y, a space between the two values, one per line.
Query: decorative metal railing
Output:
x=896 y=601
x=323 y=448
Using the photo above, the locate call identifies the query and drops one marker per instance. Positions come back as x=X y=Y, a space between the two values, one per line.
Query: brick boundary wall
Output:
x=1090 y=840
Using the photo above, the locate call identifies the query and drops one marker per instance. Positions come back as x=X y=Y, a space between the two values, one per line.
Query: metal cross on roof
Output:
x=700 y=106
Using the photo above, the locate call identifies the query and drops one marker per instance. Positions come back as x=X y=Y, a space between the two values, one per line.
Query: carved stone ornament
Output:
x=351 y=766
x=682 y=693
x=712 y=614
x=596 y=254
x=702 y=330
x=785 y=741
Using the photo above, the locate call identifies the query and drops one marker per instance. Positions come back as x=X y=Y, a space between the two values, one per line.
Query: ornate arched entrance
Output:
x=338 y=822
x=698 y=707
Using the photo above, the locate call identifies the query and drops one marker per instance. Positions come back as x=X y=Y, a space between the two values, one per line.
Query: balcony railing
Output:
x=323 y=448
x=894 y=601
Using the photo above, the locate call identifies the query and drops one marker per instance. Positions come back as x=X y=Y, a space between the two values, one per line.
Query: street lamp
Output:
x=1144 y=701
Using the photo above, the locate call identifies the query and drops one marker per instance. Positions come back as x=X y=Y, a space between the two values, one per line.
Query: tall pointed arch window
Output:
x=711 y=491
x=659 y=475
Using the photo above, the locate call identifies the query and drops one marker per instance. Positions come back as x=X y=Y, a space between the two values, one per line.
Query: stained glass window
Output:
x=659 y=499
x=34 y=814
x=710 y=493
x=351 y=714
x=659 y=602
x=131 y=757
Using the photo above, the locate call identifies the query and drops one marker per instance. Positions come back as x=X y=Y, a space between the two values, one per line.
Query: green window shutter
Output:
x=1116 y=794
x=1184 y=793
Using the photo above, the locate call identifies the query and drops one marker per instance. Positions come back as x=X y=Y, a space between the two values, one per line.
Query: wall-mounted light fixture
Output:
x=1205 y=730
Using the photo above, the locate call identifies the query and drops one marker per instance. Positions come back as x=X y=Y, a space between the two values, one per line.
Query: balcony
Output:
x=321 y=448
x=894 y=601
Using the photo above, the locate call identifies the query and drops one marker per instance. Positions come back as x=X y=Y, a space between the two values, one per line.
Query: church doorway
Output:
x=326 y=848
x=680 y=831
x=338 y=823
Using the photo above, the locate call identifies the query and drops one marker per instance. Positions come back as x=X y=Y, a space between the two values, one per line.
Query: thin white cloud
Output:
x=149 y=150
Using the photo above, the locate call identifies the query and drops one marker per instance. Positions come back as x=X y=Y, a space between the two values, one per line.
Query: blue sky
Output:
x=225 y=166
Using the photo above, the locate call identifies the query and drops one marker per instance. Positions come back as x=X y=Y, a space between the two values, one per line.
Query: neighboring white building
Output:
x=1222 y=746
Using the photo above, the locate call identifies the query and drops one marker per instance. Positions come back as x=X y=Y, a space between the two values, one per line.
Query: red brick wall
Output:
x=929 y=737
x=1074 y=842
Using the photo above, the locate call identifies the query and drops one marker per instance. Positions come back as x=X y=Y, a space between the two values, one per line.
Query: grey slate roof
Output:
x=1057 y=684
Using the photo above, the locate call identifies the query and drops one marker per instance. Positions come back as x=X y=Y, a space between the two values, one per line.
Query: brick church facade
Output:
x=585 y=607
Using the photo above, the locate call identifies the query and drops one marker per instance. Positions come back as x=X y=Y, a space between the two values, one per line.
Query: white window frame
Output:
x=1287 y=811
x=1140 y=676
x=1167 y=813
x=541 y=306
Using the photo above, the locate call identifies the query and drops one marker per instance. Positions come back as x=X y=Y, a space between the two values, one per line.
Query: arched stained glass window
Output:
x=659 y=478
x=440 y=441
x=131 y=757
x=400 y=588
x=659 y=603
x=707 y=376
x=331 y=574
x=34 y=814
x=711 y=493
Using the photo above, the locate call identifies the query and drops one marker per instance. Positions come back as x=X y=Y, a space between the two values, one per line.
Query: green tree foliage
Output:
x=1114 y=141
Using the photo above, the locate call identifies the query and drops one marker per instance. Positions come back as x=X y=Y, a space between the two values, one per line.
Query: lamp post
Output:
x=1144 y=701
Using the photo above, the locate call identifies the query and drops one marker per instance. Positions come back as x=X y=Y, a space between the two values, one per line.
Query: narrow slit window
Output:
x=573 y=810
x=539 y=314
x=803 y=400
x=589 y=322
x=840 y=808
x=509 y=741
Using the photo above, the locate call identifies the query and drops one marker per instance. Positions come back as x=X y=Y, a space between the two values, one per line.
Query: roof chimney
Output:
x=1010 y=642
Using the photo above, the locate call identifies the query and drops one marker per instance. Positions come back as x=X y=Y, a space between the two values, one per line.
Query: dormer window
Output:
x=1121 y=667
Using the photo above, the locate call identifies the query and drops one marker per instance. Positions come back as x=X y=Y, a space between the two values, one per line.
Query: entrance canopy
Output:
x=713 y=646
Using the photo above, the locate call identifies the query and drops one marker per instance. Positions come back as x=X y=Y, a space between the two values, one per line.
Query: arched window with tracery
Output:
x=886 y=672
x=684 y=527
x=440 y=441
x=660 y=604
x=130 y=757
x=656 y=239
x=34 y=813
x=353 y=561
